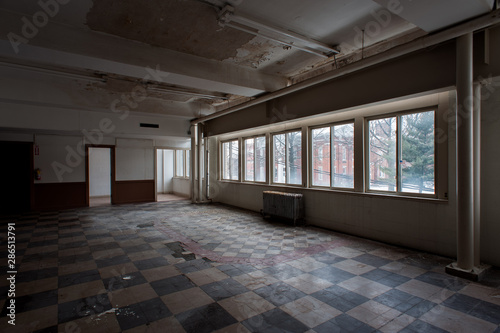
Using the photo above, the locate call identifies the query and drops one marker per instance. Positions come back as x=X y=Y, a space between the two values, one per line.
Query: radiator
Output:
x=289 y=206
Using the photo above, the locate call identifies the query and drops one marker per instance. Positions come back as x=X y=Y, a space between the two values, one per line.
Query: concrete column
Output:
x=194 y=130
x=477 y=174
x=199 y=157
x=465 y=156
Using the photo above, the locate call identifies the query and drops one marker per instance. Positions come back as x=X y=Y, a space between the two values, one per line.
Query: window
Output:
x=255 y=159
x=320 y=142
x=179 y=163
x=343 y=137
x=188 y=163
x=338 y=137
x=230 y=160
x=287 y=158
x=409 y=139
x=182 y=164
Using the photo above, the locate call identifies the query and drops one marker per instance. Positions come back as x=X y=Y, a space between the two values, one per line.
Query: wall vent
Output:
x=149 y=125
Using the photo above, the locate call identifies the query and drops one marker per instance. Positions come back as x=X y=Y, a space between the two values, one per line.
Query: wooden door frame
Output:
x=87 y=167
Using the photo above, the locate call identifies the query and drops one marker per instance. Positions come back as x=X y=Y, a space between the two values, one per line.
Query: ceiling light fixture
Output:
x=186 y=93
x=227 y=17
x=54 y=72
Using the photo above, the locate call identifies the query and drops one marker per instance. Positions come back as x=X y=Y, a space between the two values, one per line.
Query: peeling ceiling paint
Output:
x=182 y=25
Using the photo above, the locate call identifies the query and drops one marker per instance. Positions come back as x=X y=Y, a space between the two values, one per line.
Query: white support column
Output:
x=468 y=155
x=205 y=168
x=465 y=156
x=194 y=130
x=199 y=158
x=477 y=174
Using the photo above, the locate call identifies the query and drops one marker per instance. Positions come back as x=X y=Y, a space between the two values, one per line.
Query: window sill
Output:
x=390 y=196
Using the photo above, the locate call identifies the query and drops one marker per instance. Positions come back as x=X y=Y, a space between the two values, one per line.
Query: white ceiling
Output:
x=165 y=45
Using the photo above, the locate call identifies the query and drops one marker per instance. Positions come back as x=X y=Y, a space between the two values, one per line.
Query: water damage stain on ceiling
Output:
x=185 y=26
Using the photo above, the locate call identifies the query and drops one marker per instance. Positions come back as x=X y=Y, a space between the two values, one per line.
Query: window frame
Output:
x=333 y=154
x=244 y=164
x=185 y=166
x=287 y=171
x=366 y=163
x=221 y=169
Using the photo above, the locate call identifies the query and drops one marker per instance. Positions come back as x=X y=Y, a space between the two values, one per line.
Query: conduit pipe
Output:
x=418 y=44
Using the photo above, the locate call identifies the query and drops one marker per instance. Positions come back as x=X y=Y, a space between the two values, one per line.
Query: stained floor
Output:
x=177 y=267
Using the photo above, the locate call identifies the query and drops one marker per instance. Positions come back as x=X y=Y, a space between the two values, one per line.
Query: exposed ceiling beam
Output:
x=55 y=45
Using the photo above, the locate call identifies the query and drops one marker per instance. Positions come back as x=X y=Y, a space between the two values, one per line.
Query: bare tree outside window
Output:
x=230 y=160
x=287 y=158
x=255 y=159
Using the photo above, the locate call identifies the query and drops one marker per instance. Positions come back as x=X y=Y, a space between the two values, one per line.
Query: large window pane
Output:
x=260 y=159
x=230 y=162
x=179 y=163
x=294 y=161
x=382 y=154
x=321 y=156
x=343 y=141
x=279 y=158
x=249 y=159
x=417 y=153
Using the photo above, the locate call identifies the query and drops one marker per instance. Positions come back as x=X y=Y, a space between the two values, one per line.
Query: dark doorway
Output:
x=16 y=171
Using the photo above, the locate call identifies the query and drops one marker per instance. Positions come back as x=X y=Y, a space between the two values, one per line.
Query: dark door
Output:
x=15 y=176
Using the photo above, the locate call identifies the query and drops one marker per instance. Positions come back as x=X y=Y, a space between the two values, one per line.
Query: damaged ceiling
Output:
x=188 y=62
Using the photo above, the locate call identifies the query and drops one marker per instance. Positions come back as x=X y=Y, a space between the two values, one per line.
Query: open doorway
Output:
x=16 y=169
x=165 y=173
x=99 y=176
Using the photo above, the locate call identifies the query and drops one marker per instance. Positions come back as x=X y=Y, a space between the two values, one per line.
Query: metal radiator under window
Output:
x=283 y=205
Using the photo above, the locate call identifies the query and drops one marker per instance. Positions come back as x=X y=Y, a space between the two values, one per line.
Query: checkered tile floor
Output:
x=177 y=267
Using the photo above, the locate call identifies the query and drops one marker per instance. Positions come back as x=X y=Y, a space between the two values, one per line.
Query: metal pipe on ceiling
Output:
x=480 y=23
x=227 y=17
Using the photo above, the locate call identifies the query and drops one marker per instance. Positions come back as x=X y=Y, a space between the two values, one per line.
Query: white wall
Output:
x=164 y=171
x=99 y=172
x=182 y=187
x=134 y=159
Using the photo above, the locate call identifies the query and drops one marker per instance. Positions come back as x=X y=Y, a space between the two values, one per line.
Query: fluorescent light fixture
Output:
x=227 y=17
x=186 y=92
x=61 y=73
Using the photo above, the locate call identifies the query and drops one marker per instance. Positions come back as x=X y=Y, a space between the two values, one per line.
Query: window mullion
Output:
x=287 y=169
x=254 y=158
x=332 y=157
x=398 y=153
